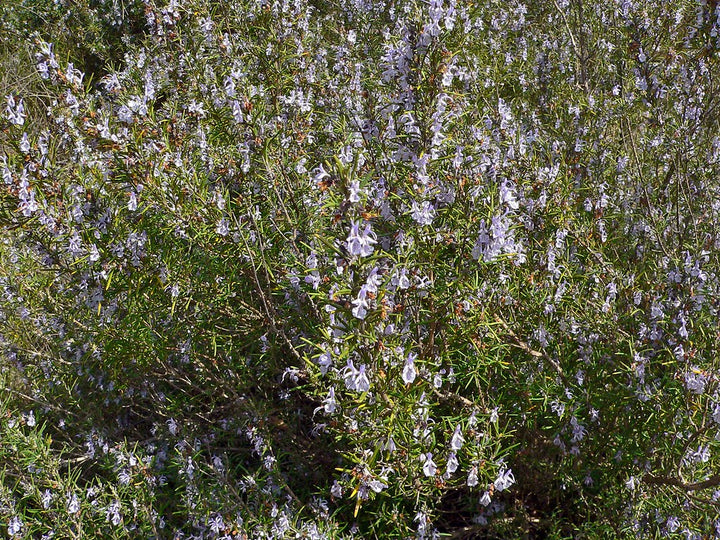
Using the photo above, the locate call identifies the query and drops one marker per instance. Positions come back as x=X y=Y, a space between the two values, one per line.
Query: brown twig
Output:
x=711 y=482
x=532 y=352
x=449 y=396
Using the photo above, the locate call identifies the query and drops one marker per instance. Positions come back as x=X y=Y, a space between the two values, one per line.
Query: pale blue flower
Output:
x=429 y=466
x=409 y=372
x=361 y=244
x=457 y=440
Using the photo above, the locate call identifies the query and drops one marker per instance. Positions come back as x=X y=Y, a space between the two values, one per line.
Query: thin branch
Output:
x=42 y=403
x=266 y=303
x=450 y=396
x=532 y=352
x=578 y=51
x=653 y=480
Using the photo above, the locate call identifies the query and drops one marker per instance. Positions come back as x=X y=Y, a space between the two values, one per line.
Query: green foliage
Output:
x=390 y=270
x=91 y=33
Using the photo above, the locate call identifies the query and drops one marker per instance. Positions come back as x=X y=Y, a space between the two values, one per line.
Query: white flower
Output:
x=472 y=480
x=15 y=525
x=324 y=361
x=374 y=280
x=222 y=227
x=716 y=413
x=362 y=383
x=361 y=243
x=349 y=374
x=631 y=483
x=355 y=191
x=508 y=196
x=423 y=213
x=112 y=514
x=429 y=467
x=409 y=372
x=336 y=490
x=377 y=486
x=124 y=476
x=400 y=279
x=452 y=464
x=360 y=304
x=73 y=504
x=216 y=523
x=504 y=480
x=672 y=524
x=25 y=144
x=320 y=175
x=330 y=404
x=457 y=439
x=47 y=498
x=695 y=381
x=15 y=111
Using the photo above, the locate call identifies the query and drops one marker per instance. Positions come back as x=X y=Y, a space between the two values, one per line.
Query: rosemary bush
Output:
x=366 y=269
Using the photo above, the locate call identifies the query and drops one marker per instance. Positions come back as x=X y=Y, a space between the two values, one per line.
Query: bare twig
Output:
x=266 y=303
x=450 y=396
x=711 y=482
x=42 y=403
x=532 y=352
x=578 y=51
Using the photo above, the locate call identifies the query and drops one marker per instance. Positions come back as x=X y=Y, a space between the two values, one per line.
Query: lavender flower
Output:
x=452 y=464
x=423 y=213
x=429 y=466
x=361 y=303
x=457 y=440
x=504 y=480
x=15 y=526
x=472 y=479
x=361 y=244
x=409 y=372
x=15 y=111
